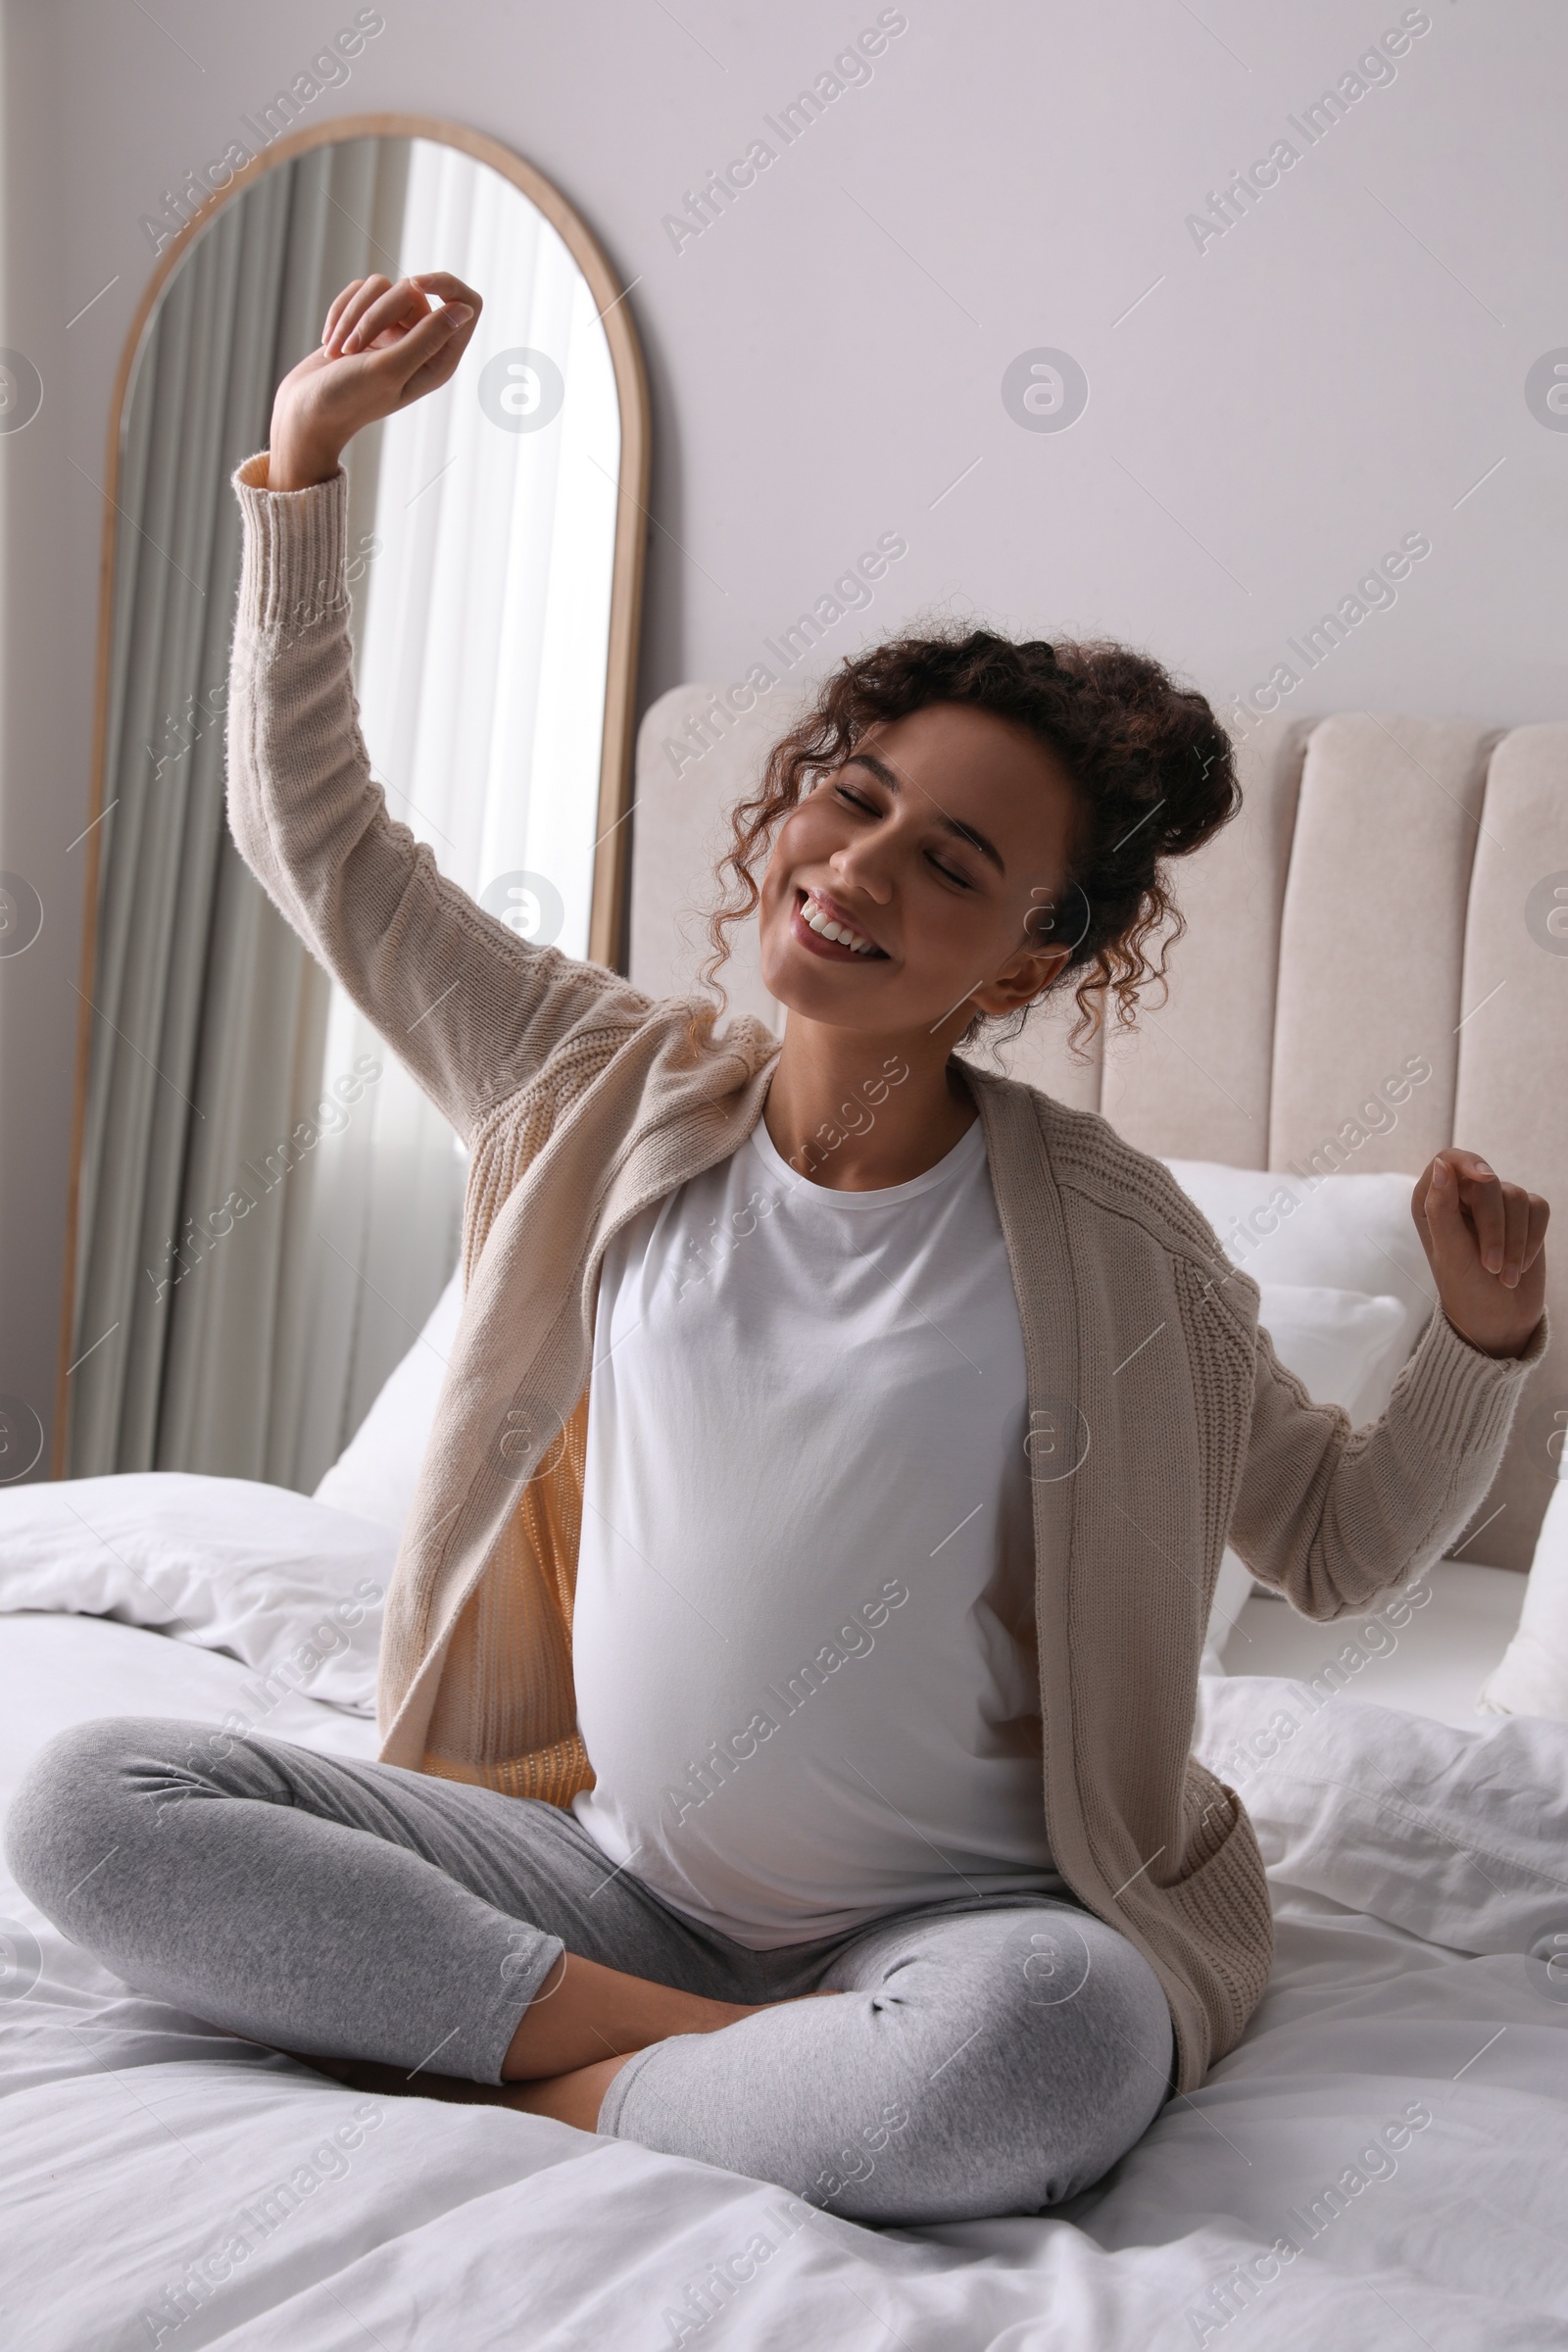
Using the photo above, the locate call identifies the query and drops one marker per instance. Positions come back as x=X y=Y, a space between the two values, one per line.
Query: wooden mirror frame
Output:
x=608 y=894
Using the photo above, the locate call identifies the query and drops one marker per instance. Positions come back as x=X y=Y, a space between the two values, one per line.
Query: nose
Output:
x=861 y=864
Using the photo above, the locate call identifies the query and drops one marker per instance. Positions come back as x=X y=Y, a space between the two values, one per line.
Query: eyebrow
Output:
x=949 y=824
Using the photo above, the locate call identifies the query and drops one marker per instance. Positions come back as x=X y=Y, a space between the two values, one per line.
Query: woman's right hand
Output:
x=385 y=345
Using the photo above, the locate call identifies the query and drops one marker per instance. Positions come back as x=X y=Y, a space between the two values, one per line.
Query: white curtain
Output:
x=209 y=1016
x=249 y=1343
x=481 y=626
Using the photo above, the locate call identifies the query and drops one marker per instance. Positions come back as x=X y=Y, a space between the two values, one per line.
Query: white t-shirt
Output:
x=803 y=1632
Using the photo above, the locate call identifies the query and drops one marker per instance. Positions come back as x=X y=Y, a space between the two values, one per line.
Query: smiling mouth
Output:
x=827 y=932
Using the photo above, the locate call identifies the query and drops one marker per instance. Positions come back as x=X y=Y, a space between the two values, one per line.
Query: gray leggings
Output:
x=990 y=2054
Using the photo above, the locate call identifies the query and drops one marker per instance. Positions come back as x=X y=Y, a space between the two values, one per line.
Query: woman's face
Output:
x=932 y=847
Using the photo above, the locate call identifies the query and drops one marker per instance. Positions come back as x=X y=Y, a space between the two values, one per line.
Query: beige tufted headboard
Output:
x=1388 y=890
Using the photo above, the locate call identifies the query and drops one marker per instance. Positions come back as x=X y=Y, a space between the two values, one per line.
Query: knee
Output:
x=1081 y=2035
x=69 y=1811
x=1066 y=1977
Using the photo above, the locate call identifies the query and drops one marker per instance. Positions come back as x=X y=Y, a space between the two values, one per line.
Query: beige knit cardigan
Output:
x=1161 y=1420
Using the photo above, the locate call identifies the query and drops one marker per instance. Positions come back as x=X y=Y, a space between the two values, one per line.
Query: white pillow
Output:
x=375 y=1473
x=1532 y=1676
x=258 y=1572
x=1233 y=1589
x=1344 y=1347
x=1343 y=1233
x=1346 y=1294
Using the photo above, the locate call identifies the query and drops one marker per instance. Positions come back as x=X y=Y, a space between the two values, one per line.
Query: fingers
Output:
x=374 y=305
x=447 y=288
x=433 y=348
x=339 y=304
x=460 y=306
x=1526 y=1231
x=1445 y=1231
x=1509 y=1223
x=1482 y=1195
x=1437 y=1206
x=351 y=307
x=1515 y=1227
x=393 y=307
x=427 y=355
x=1535 y=1233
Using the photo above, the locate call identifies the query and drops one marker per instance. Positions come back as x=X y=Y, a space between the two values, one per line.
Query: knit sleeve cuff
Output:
x=295 y=552
x=1459 y=1399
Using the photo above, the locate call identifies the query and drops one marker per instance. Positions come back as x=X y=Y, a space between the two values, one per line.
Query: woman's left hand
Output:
x=1484 y=1240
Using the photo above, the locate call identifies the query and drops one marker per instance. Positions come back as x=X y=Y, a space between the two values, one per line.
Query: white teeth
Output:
x=840 y=932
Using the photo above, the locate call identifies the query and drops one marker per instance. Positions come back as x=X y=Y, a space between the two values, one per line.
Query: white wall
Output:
x=1335 y=372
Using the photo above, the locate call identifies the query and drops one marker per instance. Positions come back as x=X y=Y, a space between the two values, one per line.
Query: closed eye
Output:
x=856 y=800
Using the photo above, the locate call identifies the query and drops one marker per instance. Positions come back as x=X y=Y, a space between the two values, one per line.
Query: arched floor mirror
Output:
x=265 y=1207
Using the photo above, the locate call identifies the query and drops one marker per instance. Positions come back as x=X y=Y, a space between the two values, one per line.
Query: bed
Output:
x=1382 y=2159
x=1398 y=2111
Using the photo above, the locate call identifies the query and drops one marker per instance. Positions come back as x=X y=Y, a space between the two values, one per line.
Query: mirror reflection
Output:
x=266 y=1206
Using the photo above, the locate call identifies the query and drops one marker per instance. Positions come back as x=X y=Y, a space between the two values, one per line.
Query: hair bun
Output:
x=1047 y=658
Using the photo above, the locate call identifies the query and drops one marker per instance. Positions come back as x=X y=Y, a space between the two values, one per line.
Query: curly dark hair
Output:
x=1151 y=764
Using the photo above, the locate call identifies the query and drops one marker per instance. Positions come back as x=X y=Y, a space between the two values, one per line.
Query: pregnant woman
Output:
x=789 y=1675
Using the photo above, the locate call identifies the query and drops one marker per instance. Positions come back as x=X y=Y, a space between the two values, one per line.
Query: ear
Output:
x=1024 y=977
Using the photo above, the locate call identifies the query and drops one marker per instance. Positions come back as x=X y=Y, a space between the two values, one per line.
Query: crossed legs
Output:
x=982 y=2056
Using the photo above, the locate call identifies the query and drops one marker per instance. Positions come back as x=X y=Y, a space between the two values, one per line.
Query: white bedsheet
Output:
x=1413 y=1867
x=285 y=1584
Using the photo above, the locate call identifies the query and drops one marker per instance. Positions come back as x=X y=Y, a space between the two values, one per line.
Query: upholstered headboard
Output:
x=1395 y=889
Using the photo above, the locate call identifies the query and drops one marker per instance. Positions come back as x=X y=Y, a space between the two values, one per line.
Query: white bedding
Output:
x=267 y=1576
x=1415 y=1867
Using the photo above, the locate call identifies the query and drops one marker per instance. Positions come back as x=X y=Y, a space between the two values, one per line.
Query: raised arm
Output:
x=1333 y=1515
x=469 y=1007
